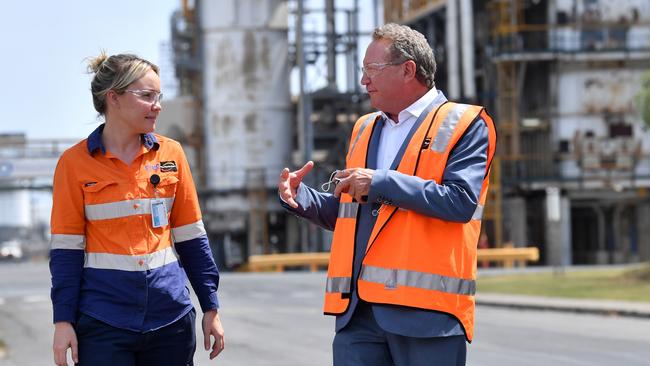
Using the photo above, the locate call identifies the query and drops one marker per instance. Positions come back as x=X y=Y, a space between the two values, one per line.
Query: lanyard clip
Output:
x=332 y=181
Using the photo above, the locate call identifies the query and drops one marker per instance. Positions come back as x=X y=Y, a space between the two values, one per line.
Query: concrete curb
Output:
x=598 y=307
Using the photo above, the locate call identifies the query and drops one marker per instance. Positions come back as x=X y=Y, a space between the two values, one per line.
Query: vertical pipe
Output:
x=331 y=44
x=375 y=13
x=300 y=56
x=467 y=42
x=303 y=127
x=453 y=79
x=351 y=53
x=355 y=59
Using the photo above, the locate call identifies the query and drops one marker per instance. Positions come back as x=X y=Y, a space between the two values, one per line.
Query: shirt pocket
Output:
x=167 y=186
x=109 y=201
x=100 y=192
x=104 y=208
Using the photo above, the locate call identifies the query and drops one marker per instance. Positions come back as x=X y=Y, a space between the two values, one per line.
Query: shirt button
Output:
x=140 y=262
x=135 y=206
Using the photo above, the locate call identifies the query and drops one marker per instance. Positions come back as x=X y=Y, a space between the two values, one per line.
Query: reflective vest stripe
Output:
x=132 y=263
x=348 y=209
x=68 y=241
x=365 y=123
x=338 y=284
x=188 y=232
x=114 y=210
x=447 y=128
x=478 y=213
x=392 y=278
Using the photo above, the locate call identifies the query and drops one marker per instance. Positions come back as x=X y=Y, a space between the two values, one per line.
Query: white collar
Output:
x=415 y=109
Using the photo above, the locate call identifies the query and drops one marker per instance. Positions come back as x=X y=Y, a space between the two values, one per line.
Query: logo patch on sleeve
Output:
x=168 y=166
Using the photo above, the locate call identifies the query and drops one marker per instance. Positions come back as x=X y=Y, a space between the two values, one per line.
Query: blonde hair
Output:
x=116 y=73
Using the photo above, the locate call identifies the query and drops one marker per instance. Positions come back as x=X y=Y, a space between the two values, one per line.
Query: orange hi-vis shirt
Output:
x=119 y=231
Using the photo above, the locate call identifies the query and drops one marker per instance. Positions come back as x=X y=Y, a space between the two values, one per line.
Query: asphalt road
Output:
x=275 y=319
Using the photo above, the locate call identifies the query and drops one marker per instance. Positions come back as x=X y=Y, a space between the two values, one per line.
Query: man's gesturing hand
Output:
x=289 y=182
x=355 y=182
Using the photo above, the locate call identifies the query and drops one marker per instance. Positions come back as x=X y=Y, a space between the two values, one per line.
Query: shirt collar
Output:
x=418 y=106
x=149 y=141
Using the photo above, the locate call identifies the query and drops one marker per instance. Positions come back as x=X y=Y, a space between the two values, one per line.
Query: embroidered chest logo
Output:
x=168 y=166
x=153 y=167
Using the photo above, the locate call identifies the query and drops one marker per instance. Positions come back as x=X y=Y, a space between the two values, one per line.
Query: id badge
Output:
x=158 y=213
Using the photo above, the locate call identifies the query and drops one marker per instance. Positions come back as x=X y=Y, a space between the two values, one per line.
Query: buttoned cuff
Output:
x=379 y=187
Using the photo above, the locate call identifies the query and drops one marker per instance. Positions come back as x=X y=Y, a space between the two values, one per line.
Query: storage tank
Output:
x=248 y=127
x=15 y=215
x=246 y=88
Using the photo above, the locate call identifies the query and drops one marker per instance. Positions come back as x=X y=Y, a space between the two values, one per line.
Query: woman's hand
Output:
x=64 y=338
x=212 y=327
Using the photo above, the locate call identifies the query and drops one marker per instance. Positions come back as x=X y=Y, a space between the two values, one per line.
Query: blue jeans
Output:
x=103 y=345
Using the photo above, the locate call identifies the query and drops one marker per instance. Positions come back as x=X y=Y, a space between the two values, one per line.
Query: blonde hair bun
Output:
x=95 y=63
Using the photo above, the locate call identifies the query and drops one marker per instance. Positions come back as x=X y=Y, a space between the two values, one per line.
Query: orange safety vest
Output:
x=411 y=259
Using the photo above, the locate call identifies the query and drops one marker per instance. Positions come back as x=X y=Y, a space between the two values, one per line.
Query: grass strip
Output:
x=605 y=284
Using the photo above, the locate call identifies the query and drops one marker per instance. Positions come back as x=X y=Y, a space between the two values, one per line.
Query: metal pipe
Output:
x=467 y=44
x=303 y=122
x=305 y=154
x=331 y=44
x=451 y=34
x=355 y=59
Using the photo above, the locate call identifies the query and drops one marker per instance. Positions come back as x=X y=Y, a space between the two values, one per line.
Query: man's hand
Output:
x=64 y=338
x=289 y=182
x=212 y=326
x=355 y=182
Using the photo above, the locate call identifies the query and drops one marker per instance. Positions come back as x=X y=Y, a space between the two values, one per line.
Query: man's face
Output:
x=383 y=80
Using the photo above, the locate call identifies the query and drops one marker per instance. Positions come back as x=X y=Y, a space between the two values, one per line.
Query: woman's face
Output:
x=138 y=107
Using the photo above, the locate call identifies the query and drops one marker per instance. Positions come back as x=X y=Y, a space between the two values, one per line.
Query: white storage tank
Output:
x=15 y=209
x=247 y=108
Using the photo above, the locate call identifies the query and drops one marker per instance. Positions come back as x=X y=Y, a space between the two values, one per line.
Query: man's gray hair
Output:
x=409 y=44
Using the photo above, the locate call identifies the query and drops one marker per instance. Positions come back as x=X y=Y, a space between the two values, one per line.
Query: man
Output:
x=405 y=213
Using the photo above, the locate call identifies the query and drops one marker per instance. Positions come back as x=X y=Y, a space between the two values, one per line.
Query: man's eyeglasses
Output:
x=149 y=96
x=374 y=68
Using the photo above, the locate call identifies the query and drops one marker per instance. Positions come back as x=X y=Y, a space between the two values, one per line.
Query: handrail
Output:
x=278 y=262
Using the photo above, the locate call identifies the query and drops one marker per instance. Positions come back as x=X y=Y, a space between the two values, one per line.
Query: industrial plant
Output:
x=264 y=84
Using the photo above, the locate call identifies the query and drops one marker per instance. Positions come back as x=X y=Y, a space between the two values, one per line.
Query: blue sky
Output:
x=45 y=91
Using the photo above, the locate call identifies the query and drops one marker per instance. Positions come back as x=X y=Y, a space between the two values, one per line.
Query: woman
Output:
x=122 y=197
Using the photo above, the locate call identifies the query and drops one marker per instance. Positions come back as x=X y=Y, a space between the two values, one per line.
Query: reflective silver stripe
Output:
x=365 y=123
x=338 y=285
x=348 y=209
x=188 y=232
x=113 y=210
x=393 y=278
x=133 y=263
x=447 y=128
x=478 y=213
x=67 y=241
